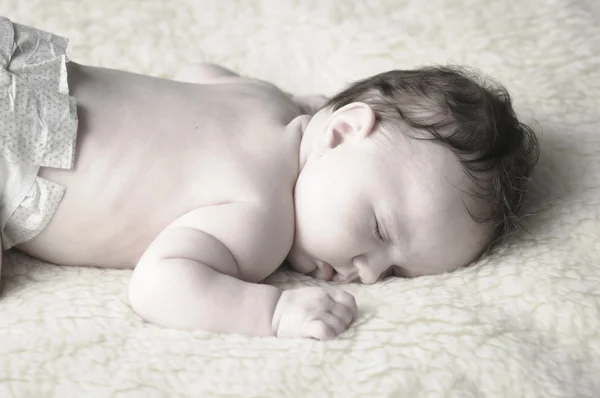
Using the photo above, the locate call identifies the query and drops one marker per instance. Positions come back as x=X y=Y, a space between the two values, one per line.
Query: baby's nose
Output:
x=368 y=272
x=368 y=278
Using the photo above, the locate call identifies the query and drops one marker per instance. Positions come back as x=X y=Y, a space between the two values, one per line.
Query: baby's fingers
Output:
x=343 y=313
x=335 y=322
x=347 y=300
x=317 y=329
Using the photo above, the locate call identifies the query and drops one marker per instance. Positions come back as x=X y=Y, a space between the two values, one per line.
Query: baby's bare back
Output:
x=150 y=150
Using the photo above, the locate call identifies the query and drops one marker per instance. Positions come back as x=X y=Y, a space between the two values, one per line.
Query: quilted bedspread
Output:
x=523 y=322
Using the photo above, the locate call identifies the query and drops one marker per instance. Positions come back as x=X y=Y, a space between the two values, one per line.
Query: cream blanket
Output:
x=522 y=323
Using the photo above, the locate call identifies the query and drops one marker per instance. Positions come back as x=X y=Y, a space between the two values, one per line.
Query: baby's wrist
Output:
x=277 y=312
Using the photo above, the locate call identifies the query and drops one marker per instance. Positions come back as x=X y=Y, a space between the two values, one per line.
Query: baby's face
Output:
x=367 y=209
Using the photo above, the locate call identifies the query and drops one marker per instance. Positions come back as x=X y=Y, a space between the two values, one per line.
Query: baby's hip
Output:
x=38 y=125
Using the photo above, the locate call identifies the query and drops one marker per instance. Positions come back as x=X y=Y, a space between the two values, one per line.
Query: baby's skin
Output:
x=207 y=183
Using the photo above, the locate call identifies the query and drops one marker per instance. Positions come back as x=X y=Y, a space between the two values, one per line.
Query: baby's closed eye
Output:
x=377 y=231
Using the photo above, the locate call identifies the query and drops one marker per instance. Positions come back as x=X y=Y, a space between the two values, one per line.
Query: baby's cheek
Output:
x=313 y=233
x=320 y=212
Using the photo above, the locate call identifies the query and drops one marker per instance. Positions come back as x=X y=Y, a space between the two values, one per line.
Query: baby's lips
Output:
x=345 y=278
x=323 y=272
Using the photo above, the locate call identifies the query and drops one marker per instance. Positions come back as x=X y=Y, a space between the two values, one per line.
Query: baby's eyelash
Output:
x=377 y=231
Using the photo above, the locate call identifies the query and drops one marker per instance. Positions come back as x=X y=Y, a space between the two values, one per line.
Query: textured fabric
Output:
x=38 y=127
x=33 y=213
x=523 y=323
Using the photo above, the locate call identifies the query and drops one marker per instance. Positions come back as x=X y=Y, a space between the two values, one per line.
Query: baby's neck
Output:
x=298 y=126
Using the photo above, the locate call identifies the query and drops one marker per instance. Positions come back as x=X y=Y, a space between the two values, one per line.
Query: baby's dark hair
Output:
x=471 y=116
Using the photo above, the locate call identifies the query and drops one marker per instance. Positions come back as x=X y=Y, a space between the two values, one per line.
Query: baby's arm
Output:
x=188 y=279
x=192 y=277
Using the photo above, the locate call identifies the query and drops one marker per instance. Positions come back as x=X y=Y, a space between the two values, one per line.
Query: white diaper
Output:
x=38 y=127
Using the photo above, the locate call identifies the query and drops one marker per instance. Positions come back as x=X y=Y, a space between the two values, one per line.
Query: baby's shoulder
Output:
x=262 y=98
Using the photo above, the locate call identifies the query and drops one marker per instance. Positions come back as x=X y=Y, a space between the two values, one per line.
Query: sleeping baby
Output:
x=204 y=185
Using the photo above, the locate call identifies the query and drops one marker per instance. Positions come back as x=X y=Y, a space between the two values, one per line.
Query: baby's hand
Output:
x=313 y=312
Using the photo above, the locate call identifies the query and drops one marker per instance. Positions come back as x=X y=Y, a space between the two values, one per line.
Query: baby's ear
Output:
x=350 y=123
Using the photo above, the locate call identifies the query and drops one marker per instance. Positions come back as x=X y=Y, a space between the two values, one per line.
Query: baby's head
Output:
x=409 y=173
